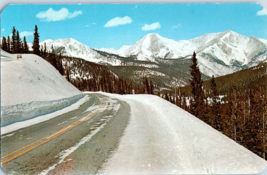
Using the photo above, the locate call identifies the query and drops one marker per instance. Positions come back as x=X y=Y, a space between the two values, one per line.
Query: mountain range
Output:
x=218 y=53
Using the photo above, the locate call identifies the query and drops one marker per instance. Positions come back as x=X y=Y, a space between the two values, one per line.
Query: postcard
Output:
x=170 y=88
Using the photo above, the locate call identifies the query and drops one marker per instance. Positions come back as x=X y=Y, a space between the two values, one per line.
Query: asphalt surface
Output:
x=77 y=142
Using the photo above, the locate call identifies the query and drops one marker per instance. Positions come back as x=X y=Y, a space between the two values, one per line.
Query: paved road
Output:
x=77 y=142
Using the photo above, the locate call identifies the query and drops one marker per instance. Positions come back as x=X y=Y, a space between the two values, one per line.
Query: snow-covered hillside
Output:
x=73 y=48
x=109 y=50
x=30 y=86
x=162 y=138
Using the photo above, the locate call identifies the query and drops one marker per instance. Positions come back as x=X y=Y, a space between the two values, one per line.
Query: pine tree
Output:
x=146 y=85
x=25 y=45
x=14 y=41
x=215 y=105
x=151 y=87
x=196 y=85
x=167 y=96
x=41 y=51
x=234 y=111
x=178 y=98
x=35 y=45
x=4 y=44
x=18 y=43
x=8 y=44
x=45 y=51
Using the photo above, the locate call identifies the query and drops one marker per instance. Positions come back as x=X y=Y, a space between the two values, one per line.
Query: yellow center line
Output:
x=50 y=136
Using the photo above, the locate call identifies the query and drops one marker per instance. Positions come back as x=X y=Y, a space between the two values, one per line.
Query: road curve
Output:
x=76 y=142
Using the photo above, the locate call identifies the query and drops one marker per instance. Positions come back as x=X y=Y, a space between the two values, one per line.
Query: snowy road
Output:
x=74 y=142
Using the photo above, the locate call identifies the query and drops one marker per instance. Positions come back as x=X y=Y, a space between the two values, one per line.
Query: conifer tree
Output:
x=196 y=85
x=35 y=45
x=45 y=51
x=151 y=87
x=215 y=105
x=8 y=44
x=25 y=45
x=167 y=96
x=178 y=98
x=4 y=44
x=60 y=66
x=41 y=51
x=234 y=109
x=146 y=85
x=18 y=43
x=14 y=41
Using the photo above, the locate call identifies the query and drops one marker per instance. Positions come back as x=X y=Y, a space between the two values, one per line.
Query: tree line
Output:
x=14 y=44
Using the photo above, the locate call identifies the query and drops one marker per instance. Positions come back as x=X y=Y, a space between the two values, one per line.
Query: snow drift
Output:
x=162 y=138
x=30 y=86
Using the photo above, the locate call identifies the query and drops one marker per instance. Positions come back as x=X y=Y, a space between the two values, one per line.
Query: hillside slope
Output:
x=30 y=86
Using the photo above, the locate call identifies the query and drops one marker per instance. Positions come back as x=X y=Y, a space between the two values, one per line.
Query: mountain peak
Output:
x=230 y=32
x=153 y=35
x=67 y=41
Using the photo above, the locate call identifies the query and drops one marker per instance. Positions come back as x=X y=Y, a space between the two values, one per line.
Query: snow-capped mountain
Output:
x=227 y=52
x=218 y=53
x=73 y=48
x=153 y=45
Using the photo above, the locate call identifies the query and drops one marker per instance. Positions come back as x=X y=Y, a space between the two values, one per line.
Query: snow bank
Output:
x=42 y=118
x=162 y=138
x=30 y=86
x=25 y=111
x=31 y=79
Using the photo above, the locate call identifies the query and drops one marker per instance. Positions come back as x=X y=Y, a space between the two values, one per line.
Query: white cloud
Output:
x=118 y=21
x=262 y=12
x=87 y=25
x=25 y=33
x=74 y=14
x=153 y=26
x=3 y=29
x=94 y=23
x=52 y=15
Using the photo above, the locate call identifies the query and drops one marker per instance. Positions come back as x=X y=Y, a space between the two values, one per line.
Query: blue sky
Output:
x=114 y=25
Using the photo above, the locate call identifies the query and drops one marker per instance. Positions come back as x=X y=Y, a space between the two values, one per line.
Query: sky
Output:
x=115 y=25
